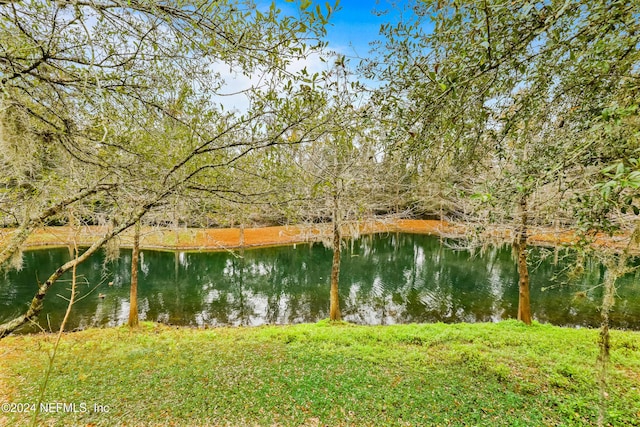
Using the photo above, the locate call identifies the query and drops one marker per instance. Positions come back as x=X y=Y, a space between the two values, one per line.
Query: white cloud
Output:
x=233 y=94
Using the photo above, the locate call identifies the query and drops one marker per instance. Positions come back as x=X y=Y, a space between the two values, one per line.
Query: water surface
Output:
x=385 y=279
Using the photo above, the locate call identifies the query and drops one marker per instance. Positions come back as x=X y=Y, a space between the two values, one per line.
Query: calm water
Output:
x=384 y=279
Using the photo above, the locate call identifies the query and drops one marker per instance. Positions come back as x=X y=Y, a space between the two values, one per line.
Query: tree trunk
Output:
x=133 y=294
x=524 y=305
x=334 y=306
x=615 y=269
x=604 y=344
x=36 y=303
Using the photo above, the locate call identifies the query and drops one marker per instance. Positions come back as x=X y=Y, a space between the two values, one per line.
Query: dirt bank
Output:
x=228 y=238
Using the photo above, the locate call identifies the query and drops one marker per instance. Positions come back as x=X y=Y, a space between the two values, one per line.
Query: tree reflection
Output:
x=385 y=279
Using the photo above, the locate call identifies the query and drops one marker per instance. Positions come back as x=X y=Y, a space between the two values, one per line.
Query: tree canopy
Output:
x=112 y=108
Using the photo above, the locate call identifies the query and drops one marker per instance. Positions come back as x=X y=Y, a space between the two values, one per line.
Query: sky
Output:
x=350 y=30
x=354 y=26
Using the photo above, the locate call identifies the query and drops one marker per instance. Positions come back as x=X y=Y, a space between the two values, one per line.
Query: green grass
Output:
x=503 y=374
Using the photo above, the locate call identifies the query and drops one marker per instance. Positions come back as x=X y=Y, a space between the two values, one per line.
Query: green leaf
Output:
x=634 y=177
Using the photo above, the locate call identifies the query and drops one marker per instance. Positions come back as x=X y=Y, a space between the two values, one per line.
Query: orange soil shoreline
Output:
x=219 y=239
x=212 y=239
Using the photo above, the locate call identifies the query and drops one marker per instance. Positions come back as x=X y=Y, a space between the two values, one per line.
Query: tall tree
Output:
x=609 y=204
x=336 y=179
x=133 y=294
x=510 y=87
x=127 y=97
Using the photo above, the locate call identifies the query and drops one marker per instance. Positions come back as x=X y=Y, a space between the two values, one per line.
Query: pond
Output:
x=384 y=279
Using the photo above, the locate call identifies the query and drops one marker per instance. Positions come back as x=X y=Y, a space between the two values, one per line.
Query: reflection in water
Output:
x=397 y=278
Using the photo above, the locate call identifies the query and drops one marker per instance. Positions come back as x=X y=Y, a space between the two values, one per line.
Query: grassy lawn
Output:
x=503 y=374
